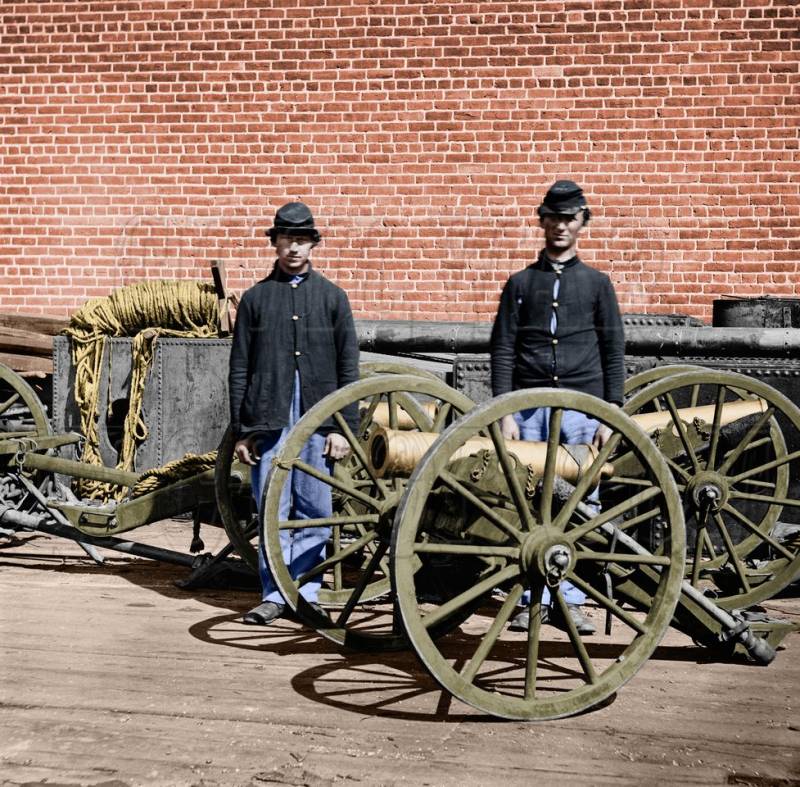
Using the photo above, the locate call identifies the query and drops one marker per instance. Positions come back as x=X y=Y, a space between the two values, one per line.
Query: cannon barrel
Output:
x=393 y=451
x=410 y=336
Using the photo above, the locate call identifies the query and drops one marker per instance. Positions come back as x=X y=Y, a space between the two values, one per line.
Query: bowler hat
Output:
x=293 y=218
x=564 y=196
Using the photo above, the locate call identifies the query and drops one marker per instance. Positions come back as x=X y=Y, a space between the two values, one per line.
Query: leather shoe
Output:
x=583 y=625
x=521 y=621
x=264 y=614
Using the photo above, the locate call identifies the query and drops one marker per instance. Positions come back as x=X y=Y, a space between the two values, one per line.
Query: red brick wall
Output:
x=141 y=139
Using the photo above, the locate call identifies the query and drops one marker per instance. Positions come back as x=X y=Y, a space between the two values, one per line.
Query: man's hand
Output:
x=601 y=436
x=509 y=427
x=336 y=446
x=245 y=451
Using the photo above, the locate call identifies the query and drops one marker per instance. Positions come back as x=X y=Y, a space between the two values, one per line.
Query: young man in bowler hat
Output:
x=294 y=342
x=558 y=325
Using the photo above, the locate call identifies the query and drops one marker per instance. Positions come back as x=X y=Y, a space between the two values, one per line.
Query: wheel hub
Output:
x=707 y=490
x=546 y=555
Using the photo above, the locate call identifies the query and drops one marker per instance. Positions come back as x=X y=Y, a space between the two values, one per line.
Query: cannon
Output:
x=683 y=518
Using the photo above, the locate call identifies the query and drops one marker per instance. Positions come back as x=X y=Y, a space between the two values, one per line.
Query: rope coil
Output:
x=144 y=311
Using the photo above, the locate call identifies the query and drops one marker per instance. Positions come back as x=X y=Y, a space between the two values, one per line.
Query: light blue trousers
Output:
x=302 y=497
x=576 y=427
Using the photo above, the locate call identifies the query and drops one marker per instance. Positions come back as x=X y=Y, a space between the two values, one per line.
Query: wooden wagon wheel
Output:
x=234 y=495
x=736 y=480
x=355 y=568
x=636 y=382
x=526 y=536
x=21 y=412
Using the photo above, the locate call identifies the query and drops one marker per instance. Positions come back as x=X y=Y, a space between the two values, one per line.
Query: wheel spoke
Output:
x=760 y=484
x=575 y=638
x=369 y=412
x=507 y=464
x=624 y=557
x=732 y=556
x=441 y=416
x=337 y=557
x=715 y=428
x=9 y=402
x=336 y=536
x=712 y=553
x=776 y=545
x=457 y=486
x=770 y=500
x=465 y=597
x=553 y=445
x=328 y=521
x=336 y=483
x=392 y=404
x=587 y=480
x=681 y=429
x=743 y=444
x=470 y=669
x=366 y=576
x=534 y=637
x=677 y=469
x=417 y=414
x=358 y=450
x=700 y=538
x=617 y=511
x=475 y=550
x=609 y=604
x=781 y=460
x=625 y=481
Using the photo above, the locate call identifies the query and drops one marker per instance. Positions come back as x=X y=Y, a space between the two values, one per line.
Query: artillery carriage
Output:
x=441 y=529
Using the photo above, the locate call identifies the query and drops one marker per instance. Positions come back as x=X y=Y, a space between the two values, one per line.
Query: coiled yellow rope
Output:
x=188 y=465
x=144 y=311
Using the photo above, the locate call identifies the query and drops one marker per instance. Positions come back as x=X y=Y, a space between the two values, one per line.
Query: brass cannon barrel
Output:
x=404 y=420
x=730 y=412
x=396 y=452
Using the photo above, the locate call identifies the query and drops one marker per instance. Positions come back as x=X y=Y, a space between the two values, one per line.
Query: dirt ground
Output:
x=113 y=676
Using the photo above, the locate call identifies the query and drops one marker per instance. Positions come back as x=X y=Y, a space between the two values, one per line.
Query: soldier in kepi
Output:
x=558 y=326
x=294 y=342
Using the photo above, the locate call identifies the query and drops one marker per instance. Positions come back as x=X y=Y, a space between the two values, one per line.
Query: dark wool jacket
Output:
x=587 y=352
x=282 y=327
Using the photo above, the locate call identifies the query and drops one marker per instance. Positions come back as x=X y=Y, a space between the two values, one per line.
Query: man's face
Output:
x=293 y=252
x=561 y=231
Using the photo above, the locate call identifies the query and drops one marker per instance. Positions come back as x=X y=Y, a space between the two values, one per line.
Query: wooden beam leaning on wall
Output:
x=223 y=299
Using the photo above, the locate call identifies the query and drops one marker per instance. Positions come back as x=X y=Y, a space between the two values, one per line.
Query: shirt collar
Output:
x=549 y=265
x=278 y=275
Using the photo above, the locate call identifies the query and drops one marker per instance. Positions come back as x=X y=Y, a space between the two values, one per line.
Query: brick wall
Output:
x=142 y=139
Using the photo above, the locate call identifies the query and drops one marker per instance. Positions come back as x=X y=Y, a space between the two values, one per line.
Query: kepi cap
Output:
x=293 y=218
x=564 y=196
